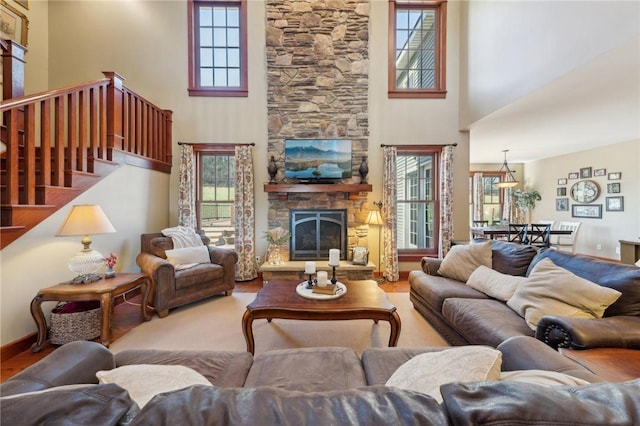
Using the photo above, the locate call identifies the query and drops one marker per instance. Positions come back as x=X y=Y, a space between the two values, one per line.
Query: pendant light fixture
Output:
x=509 y=180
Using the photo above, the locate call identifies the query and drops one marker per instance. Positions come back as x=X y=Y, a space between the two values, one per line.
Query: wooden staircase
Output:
x=58 y=144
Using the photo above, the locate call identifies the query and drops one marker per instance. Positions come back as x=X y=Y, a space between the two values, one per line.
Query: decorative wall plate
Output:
x=585 y=191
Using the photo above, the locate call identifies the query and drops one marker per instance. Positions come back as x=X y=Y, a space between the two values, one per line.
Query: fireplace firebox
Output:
x=314 y=232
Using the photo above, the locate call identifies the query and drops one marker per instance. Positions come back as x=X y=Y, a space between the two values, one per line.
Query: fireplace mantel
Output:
x=283 y=189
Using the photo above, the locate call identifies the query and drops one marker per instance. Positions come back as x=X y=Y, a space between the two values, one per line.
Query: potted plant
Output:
x=525 y=201
x=276 y=237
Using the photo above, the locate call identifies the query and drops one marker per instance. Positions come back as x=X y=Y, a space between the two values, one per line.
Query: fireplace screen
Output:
x=314 y=232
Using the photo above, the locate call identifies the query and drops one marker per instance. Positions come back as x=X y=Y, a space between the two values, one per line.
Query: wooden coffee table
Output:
x=363 y=300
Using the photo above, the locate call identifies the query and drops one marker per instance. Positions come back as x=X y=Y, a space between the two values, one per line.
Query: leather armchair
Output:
x=173 y=288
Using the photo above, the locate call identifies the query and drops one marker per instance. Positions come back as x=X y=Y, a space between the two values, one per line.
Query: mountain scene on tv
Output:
x=318 y=159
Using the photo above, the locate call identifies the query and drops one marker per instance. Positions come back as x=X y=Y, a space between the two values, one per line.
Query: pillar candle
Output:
x=322 y=278
x=334 y=257
x=309 y=267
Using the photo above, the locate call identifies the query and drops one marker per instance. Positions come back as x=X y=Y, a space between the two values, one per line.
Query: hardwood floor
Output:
x=127 y=316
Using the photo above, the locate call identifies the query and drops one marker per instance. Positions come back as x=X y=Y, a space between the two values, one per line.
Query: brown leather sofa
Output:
x=268 y=389
x=463 y=315
x=173 y=288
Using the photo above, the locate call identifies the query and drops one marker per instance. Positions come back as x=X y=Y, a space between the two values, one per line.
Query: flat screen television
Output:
x=314 y=160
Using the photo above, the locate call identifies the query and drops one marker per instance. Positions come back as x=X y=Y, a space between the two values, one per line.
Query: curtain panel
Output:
x=244 y=215
x=187 y=188
x=478 y=196
x=390 y=267
x=446 y=200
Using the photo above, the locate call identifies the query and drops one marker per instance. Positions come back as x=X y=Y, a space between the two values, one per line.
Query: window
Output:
x=492 y=202
x=215 y=196
x=417 y=49
x=217 y=48
x=417 y=202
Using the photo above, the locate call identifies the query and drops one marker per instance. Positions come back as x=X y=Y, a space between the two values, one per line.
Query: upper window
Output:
x=217 y=48
x=416 y=202
x=417 y=48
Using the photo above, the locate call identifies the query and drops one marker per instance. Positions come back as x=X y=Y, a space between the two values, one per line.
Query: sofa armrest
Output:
x=430 y=265
x=621 y=331
x=527 y=353
x=74 y=363
x=227 y=259
x=160 y=271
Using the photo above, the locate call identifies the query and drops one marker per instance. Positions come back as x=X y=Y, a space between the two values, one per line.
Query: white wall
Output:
x=622 y=157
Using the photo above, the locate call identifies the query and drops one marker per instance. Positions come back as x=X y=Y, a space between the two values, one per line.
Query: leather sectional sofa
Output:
x=311 y=386
x=464 y=315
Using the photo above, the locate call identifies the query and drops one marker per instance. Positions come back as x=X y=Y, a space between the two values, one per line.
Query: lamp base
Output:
x=86 y=278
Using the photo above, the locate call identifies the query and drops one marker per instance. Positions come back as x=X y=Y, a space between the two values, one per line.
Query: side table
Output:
x=104 y=290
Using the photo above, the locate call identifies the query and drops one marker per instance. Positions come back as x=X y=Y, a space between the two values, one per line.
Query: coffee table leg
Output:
x=394 y=320
x=247 y=329
x=41 y=323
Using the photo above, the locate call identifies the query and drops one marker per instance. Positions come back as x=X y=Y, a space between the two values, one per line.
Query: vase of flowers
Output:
x=111 y=262
x=276 y=237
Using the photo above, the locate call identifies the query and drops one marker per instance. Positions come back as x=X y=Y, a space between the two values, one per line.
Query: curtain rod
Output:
x=409 y=146
x=200 y=143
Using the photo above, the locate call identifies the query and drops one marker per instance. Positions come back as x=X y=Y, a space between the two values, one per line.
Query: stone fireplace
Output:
x=317 y=88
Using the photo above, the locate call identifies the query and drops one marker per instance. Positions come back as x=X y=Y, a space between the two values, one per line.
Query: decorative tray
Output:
x=308 y=293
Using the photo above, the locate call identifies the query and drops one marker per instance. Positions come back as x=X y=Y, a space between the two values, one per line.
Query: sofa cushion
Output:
x=380 y=363
x=624 y=278
x=307 y=369
x=462 y=260
x=86 y=405
x=493 y=283
x=435 y=290
x=144 y=381
x=273 y=406
x=528 y=404
x=542 y=378
x=426 y=372
x=198 y=275
x=552 y=290
x=221 y=368
x=511 y=258
x=188 y=256
x=484 y=321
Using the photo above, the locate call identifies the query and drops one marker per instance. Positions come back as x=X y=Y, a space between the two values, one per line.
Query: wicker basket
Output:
x=75 y=321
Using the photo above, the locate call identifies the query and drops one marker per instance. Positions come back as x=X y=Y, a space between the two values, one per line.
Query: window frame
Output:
x=485 y=174
x=440 y=89
x=415 y=254
x=195 y=89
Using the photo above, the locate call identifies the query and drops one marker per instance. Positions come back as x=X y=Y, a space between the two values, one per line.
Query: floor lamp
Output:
x=375 y=218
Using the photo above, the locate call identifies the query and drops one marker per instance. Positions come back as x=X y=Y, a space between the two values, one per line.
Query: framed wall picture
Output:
x=613 y=188
x=585 y=172
x=573 y=175
x=615 y=176
x=13 y=24
x=600 y=172
x=615 y=204
x=562 y=181
x=592 y=211
x=562 y=204
x=561 y=192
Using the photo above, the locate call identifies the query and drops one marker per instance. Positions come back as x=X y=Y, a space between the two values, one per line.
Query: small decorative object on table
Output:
x=334 y=261
x=272 y=168
x=310 y=269
x=363 y=170
x=276 y=237
x=328 y=289
x=111 y=262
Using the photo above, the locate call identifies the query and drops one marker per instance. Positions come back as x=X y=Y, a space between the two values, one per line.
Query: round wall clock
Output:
x=585 y=191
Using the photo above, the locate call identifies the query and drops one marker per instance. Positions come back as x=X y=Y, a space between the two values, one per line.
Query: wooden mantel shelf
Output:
x=283 y=189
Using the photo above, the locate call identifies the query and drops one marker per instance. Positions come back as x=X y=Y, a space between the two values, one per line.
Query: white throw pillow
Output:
x=462 y=260
x=552 y=290
x=144 y=381
x=493 y=283
x=426 y=372
x=183 y=236
x=188 y=256
x=542 y=378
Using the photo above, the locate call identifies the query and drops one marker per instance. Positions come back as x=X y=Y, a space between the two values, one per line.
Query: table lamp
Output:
x=85 y=220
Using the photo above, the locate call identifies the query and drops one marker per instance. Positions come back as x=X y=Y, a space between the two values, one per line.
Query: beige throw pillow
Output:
x=144 y=381
x=426 y=372
x=462 y=260
x=552 y=290
x=189 y=256
x=493 y=283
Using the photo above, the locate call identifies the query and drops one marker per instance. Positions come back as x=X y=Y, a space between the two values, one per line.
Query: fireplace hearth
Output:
x=314 y=232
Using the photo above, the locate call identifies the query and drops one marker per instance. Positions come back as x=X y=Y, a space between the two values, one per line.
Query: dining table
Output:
x=497 y=231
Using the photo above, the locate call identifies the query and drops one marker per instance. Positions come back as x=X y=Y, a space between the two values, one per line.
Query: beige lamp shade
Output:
x=509 y=180
x=86 y=220
x=374 y=218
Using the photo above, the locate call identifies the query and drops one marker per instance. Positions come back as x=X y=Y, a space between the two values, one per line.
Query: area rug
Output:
x=216 y=324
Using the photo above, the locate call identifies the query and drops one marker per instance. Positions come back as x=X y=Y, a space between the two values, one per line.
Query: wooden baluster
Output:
x=58 y=149
x=12 y=157
x=45 y=143
x=29 y=184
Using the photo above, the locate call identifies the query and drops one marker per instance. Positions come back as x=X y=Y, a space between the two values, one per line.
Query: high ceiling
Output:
x=594 y=105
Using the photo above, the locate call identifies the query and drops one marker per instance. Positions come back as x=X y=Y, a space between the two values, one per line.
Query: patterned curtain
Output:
x=187 y=188
x=244 y=215
x=478 y=196
x=446 y=200
x=506 y=205
x=390 y=247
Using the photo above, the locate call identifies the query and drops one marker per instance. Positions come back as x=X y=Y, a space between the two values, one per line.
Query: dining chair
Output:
x=567 y=241
x=480 y=223
x=517 y=233
x=538 y=234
